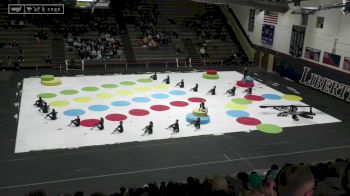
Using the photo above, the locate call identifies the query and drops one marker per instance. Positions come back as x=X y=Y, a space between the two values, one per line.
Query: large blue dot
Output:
x=141 y=99
x=271 y=96
x=190 y=118
x=237 y=113
x=120 y=103
x=177 y=92
x=98 y=108
x=160 y=96
x=74 y=112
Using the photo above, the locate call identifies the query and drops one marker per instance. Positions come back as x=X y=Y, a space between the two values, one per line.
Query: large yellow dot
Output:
x=59 y=103
x=124 y=92
x=142 y=89
x=82 y=99
x=292 y=97
x=234 y=106
x=104 y=96
x=160 y=86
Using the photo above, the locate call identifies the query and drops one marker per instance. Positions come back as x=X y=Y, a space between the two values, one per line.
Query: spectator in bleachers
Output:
x=203 y=52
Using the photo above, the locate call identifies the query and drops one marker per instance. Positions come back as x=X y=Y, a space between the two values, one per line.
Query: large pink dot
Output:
x=248 y=121
x=179 y=103
x=160 y=107
x=241 y=83
x=254 y=97
x=89 y=122
x=138 y=112
x=116 y=117
x=196 y=99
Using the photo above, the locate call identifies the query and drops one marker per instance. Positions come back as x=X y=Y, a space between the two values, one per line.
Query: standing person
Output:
x=148 y=129
x=52 y=115
x=44 y=108
x=196 y=123
x=99 y=125
x=39 y=103
x=232 y=91
x=245 y=73
x=120 y=128
x=212 y=91
x=166 y=80
x=181 y=84
x=194 y=89
x=202 y=106
x=154 y=76
x=175 y=126
x=76 y=122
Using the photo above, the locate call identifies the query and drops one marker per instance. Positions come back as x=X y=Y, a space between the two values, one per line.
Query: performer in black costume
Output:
x=212 y=91
x=166 y=80
x=39 y=102
x=148 y=129
x=194 y=89
x=232 y=91
x=181 y=84
x=52 y=115
x=76 y=122
x=249 y=90
x=175 y=126
x=154 y=76
x=196 y=123
x=99 y=125
x=44 y=108
x=120 y=128
x=202 y=106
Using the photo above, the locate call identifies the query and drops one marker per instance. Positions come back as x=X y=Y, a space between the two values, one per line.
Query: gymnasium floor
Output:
x=223 y=146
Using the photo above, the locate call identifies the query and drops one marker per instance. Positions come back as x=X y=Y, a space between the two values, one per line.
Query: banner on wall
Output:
x=267 y=34
x=251 y=20
x=297 y=41
x=312 y=53
x=346 y=65
x=331 y=59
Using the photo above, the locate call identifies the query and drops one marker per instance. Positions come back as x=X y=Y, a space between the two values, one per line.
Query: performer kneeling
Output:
x=212 y=91
x=196 y=123
x=166 y=80
x=76 y=122
x=194 y=89
x=248 y=90
x=52 y=115
x=175 y=126
x=120 y=128
x=154 y=76
x=181 y=84
x=99 y=125
x=39 y=103
x=44 y=108
x=232 y=91
x=202 y=107
x=148 y=129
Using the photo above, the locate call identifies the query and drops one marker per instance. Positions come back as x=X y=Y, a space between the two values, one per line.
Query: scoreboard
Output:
x=36 y=9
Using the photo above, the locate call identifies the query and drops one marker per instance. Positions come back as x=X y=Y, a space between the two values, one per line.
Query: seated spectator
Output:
x=48 y=59
x=203 y=52
x=255 y=185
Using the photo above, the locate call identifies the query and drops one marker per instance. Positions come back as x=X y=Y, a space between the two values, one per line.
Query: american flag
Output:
x=270 y=17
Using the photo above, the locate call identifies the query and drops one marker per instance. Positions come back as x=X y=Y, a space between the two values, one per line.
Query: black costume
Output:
x=167 y=80
x=99 y=125
x=44 y=108
x=232 y=91
x=120 y=128
x=212 y=91
x=148 y=129
x=39 y=103
x=197 y=123
x=154 y=76
x=180 y=84
x=76 y=122
x=249 y=90
x=52 y=115
x=245 y=73
x=202 y=106
x=175 y=127
x=195 y=89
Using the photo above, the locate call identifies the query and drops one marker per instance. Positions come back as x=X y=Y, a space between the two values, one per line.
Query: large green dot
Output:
x=269 y=128
x=109 y=86
x=69 y=92
x=90 y=88
x=82 y=99
x=241 y=101
x=144 y=80
x=46 y=95
x=59 y=103
x=47 y=77
x=127 y=83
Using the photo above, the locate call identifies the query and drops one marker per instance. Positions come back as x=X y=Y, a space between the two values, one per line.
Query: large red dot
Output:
x=179 y=103
x=211 y=72
x=248 y=121
x=116 y=117
x=241 y=83
x=138 y=112
x=89 y=122
x=196 y=99
x=159 y=107
x=254 y=97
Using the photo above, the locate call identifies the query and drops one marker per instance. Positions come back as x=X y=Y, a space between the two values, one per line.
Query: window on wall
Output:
x=319 y=22
x=304 y=19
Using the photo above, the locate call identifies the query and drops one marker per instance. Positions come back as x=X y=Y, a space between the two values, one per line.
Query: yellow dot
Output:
x=124 y=92
x=160 y=86
x=104 y=96
x=235 y=106
x=142 y=89
x=292 y=97
x=59 y=103
x=83 y=99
